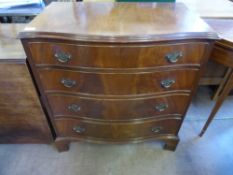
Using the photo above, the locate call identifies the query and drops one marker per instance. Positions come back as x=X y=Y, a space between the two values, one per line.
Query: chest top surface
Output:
x=118 y=22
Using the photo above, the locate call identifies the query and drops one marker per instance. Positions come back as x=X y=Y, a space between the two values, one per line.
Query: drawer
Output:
x=115 y=131
x=117 y=109
x=116 y=84
x=116 y=56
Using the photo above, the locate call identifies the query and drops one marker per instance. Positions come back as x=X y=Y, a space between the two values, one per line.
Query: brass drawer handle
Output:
x=173 y=57
x=62 y=57
x=167 y=83
x=68 y=83
x=161 y=107
x=157 y=129
x=79 y=129
x=74 y=108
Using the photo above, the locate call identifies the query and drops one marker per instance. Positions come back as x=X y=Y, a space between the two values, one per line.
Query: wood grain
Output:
x=88 y=55
x=118 y=22
x=116 y=84
x=222 y=56
x=118 y=109
x=118 y=65
x=116 y=131
x=22 y=119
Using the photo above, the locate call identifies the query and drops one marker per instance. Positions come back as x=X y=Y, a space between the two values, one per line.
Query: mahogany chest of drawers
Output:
x=116 y=72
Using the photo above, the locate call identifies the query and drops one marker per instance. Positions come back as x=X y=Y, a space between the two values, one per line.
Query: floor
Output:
x=210 y=155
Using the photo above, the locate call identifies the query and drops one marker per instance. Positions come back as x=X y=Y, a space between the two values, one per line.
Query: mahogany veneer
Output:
x=117 y=131
x=117 y=83
x=122 y=56
x=117 y=72
x=128 y=109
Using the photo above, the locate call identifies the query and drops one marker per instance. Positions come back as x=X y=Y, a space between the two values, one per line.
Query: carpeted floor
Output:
x=210 y=155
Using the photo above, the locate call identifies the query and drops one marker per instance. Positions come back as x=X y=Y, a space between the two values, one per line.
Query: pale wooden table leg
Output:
x=226 y=90
x=223 y=82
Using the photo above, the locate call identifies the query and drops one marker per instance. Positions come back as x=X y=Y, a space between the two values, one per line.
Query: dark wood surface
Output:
x=120 y=79
x=118 y=22
x=127 y=109
x=121 y=83
x=22 y=119
x=222 y=55
x=117 y=132
x=84 y=55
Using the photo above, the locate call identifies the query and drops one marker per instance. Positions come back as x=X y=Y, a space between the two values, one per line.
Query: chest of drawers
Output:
x=115 y=72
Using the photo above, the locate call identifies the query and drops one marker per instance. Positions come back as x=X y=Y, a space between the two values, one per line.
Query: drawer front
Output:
x=115 y=131
x=117 y=109
x=116 y=84
x=130 y=56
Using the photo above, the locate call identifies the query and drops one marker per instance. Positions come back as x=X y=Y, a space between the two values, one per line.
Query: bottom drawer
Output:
x=116 y=131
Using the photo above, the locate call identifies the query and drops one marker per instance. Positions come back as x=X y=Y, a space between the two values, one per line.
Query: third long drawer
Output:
x=118 y=109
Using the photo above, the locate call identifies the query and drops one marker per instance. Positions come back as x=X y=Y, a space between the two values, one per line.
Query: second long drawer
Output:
x=54 y=80
x=117 y=109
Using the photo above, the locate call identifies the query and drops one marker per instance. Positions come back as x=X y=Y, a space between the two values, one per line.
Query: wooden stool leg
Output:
x=223 y=82
x=226 y=90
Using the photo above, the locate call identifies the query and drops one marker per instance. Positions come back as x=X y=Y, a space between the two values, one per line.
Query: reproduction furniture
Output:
x=222 y=54
x=117 y=72
x=22 y=119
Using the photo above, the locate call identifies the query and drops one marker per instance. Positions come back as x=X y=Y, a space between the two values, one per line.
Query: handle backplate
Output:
x=156 y=129
x=167 y=83
x=68 y=82
x=161 y=107
x=173 y=57
x=79 y=129
x=62 y=57
x=74 y=107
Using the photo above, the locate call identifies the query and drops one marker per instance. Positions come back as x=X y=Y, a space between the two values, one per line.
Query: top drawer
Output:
x=116 y=56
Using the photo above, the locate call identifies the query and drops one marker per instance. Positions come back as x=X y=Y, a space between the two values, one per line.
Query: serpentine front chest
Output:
x=116 y=72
